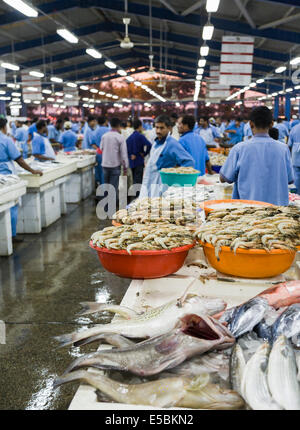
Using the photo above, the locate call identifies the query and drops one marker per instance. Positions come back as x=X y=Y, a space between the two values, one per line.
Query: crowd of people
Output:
x=260 y=169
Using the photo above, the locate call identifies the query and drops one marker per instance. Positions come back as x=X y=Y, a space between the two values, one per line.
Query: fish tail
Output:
x=90 y=308
x=65 y=339
x=79 y=375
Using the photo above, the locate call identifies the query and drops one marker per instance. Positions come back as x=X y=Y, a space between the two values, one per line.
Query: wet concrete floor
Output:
x=41 y=287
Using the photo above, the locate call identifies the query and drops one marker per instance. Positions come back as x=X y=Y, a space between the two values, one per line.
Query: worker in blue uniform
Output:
x=32 y=129
x=22 y=137
x=283 y=131
x=295 y=121
x=89 y=140
x=8 y=154
x=100 y=130
x=235 y=132
x=41 y=146
x=261 y=167
x=209 y=133
x=55 y=131
x=68 y=139
x=247 y=131
x=165 y=152
x=194 y=144
x=294 y=145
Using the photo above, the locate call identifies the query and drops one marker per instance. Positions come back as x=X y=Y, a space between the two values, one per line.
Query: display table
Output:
x=45 y=200
x=9 y=197
x=81 y=183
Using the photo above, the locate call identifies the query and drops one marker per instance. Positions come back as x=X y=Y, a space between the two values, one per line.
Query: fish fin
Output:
x=93 y=307
x=111 y=339
x=79 y=375
x=65 y=339
x=185 y=294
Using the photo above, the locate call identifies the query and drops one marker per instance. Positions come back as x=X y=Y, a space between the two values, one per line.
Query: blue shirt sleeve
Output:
x=216 y=132
x=290 y=171
x=229 y=171
x=38 y=146
x=182 y=157
x=12 y=150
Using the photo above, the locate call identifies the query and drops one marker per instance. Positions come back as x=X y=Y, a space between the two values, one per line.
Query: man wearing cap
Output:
x=68 y=139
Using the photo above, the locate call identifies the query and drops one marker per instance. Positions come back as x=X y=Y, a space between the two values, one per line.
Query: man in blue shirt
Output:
x=261 y=167
x=89 y=139
x=209 y=133
x=22 y=137
x=194 y=144
x=294 y=145
x=295 y=121
x=68 y=138
x=235 y=132
x=32 y=129
x=101 y=129
x=283 y=131
x=41 y=146
x=138 y=148
x=8 y=154
x=54 y=132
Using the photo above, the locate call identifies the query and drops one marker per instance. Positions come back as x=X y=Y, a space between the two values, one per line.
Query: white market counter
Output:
x=81 y=183
x=45 y=200
x=9 y=197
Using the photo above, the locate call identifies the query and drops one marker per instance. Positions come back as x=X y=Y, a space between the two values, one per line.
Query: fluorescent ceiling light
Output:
x=115 y=97
x=199 y=77
x=144 y=87
x=14 y=86
x=16 y=100
x=27 y=101
x=10 y=66
x=281 y=92
x=200 y=71
x=37 y=102
x=121 y=72
x=36 y=74
x=22 y=7
x=280 y=69
x=67 y=35
x=293 y=99
x=288 y=90
x=71 y=84
x=130 y=78
x=32 y=89
x=84 y=87
x=274 y=94
x=2 y=93
x=260 y=81
x=295 y=61
x=201 y=63
x=204 y=50
x=68 y=96
x=137 y=83
x=246 y=88
x=50 y=99
x=16 y=94
x=208 y=31
x=108 y=95
x=85 y=105
x=85 y=99
x=94 y=53
x=4 y=98
x=102 y=93
x=55 y=79
x=252 y=85
x=91 y=106
x=59 y=101
x=110 y=65
x=93 y=90
x=46 y=92
x=59 y=94
x=56 y=105
x=297 y=87
x=212 y=5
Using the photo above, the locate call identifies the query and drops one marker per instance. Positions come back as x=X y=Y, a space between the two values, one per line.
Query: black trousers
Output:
x=137 y=173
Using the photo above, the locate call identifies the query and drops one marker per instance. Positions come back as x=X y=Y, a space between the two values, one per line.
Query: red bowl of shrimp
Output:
x=142 y=264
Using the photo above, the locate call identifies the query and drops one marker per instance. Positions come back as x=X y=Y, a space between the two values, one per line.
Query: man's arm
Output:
x=42 y=157
x=25 y=166
x=209 y=169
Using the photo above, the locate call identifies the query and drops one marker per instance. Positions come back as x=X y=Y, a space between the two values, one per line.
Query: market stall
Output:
x=11 y=190
x=45 y=200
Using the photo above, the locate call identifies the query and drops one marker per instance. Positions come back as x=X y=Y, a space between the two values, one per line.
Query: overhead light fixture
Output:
x=246 y=88
x=71 y=85
x=67 y=35
x=115 y=97
x=10 y=66
x=32 y=89
x=297 y=87
x=37 y=102
x=108 y=95
x=288 y=90
x=274 y=94
x=260 y=81
x=55 y=79
x=2 y=93
x=14 y=86
x=46 y=92
x=110 y=65
x=137 y=83
x=16 y=94
x=59 y=94
x=295 y=61
x=27 y=101
x=84 y=87
x=68 y=96
x=280 y=69
x=121 y=72
x=91 y=106
x=50 y=99
x=200 y=71
x=59 y=101
x=85 y=105
x=93 y=90
x=252 y=85
x=201 y=63
x=93 y=53
x=204 y=50
x=281 y=92
x=212 y=5
x=22 y=7
x=101 y=93
x=36 y=74
x=199 y=77
x=130 y=79
x=208 y=31
x=55 y=105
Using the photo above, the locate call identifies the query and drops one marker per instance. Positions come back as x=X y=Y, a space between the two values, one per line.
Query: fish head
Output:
x=205 y=327
x=212 y=305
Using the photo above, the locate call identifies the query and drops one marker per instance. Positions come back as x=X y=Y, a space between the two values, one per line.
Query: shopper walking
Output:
x=114 y=154
x=101 y=129
x=138 y=148
x=261 y=167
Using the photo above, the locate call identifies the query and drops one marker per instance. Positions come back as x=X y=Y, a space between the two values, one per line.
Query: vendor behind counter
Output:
x=261 y=167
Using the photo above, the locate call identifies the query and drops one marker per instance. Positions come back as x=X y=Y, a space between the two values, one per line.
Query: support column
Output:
x=2 y=108
x=276 y=107
x=287 y=111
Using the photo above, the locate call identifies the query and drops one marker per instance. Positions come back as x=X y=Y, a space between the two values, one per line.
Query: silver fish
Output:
x=109 y=338
x=94 y=307
x=254 y=385
x=288 y=323
x=248 y=316
x=237 y=367
x=195 y=335
x=282 y=375
x=153 y=322
x=161 y=393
